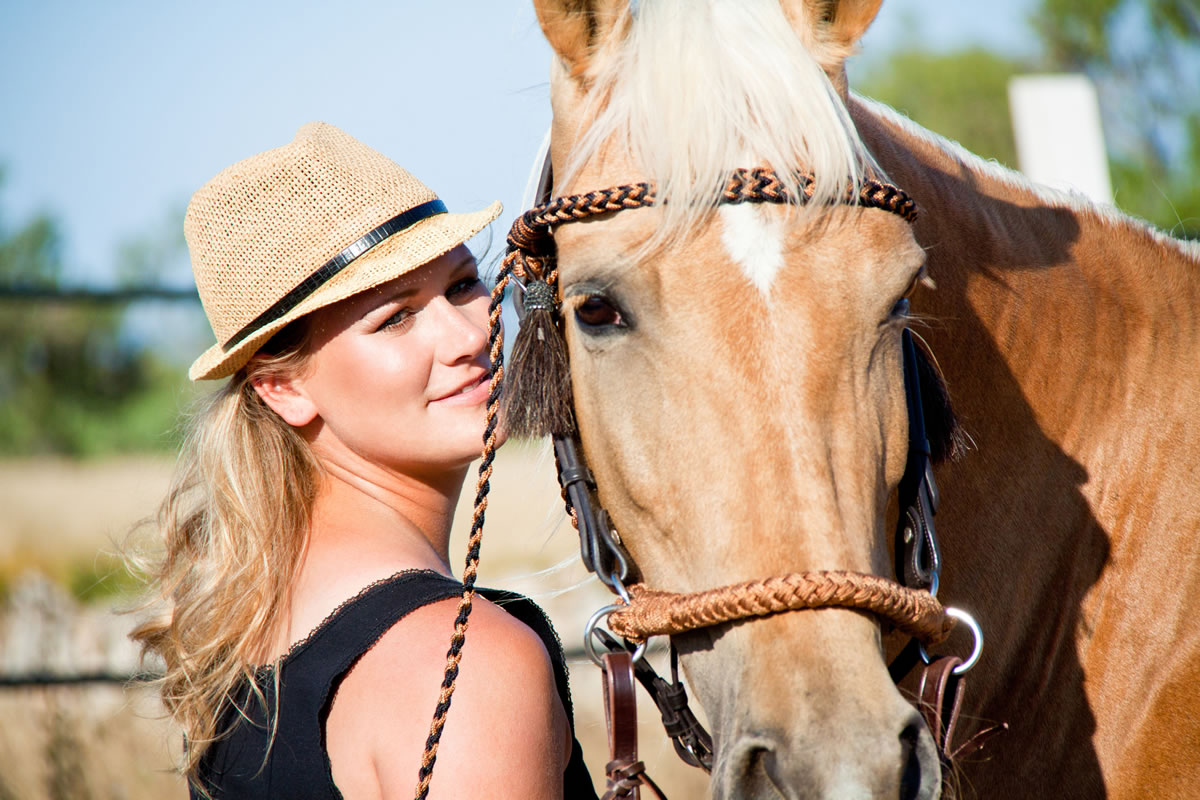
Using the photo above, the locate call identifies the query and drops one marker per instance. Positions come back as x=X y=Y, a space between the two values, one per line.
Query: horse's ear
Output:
x=831 y=29
x=575 y=28
x=850 y=18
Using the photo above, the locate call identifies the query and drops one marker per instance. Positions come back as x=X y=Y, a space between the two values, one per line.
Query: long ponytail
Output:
x=234 y=524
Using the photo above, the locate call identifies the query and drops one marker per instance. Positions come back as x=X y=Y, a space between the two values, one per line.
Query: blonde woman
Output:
x=308 y=597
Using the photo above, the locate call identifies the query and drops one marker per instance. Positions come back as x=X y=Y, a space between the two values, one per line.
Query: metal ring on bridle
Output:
x=589 y=645
x=976 y=632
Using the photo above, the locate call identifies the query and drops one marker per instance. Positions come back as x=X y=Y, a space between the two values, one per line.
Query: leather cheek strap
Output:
x=941 y=702
x=620 y=706
x=941 y=711
x=624 y=771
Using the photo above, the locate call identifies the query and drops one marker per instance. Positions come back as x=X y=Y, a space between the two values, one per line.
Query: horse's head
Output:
x=737 y=369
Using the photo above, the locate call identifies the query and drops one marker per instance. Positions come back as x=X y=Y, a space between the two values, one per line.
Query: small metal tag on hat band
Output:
x=335 y=265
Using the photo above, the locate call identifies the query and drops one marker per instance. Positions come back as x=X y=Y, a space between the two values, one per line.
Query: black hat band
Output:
x=335 y=265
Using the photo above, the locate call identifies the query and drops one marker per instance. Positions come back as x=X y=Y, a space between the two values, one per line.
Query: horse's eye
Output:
x=900 y=309
x=598 y=312
x=922 y=276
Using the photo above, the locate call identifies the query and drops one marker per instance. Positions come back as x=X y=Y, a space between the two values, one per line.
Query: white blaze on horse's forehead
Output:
x=754 y=238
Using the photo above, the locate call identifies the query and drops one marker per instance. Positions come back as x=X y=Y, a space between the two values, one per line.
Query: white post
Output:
x=1056 y=121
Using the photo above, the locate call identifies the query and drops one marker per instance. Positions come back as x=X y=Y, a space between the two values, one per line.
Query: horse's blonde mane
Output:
x=1055 y=198
x=698 y=88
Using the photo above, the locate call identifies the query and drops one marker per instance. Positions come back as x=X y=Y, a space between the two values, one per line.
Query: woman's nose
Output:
x=460 y=330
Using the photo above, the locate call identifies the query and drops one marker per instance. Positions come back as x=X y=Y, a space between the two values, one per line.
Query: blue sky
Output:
x=114 y=113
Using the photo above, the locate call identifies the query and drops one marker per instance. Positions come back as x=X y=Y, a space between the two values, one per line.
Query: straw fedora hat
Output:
x=291 y=230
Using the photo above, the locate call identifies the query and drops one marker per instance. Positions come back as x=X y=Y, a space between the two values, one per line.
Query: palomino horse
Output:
x=736 y=372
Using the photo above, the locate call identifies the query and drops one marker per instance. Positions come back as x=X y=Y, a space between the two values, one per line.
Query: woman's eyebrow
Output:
x=467 y=260
x=381 y=299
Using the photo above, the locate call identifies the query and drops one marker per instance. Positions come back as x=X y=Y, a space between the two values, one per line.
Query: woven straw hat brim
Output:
x=398 y=255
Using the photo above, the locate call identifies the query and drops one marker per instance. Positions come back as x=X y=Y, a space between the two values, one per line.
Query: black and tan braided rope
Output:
x=530 y=254
x=458 y=639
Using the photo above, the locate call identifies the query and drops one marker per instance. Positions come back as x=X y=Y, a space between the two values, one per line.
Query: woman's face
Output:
x=399 y=375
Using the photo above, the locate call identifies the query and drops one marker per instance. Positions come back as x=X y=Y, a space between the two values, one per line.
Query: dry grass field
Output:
x=104 y=742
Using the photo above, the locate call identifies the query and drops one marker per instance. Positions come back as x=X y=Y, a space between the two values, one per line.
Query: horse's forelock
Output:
x=701 y=87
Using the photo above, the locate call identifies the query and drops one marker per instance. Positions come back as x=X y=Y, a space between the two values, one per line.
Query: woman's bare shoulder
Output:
x=506 y=734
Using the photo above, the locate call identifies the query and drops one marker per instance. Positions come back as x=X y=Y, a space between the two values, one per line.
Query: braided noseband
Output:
x=653 y=613
x=531 y=259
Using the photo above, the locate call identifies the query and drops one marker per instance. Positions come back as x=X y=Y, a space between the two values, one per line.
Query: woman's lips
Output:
x=470 y=395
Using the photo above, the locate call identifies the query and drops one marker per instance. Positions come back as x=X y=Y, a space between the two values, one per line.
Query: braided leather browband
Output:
x=528 y=241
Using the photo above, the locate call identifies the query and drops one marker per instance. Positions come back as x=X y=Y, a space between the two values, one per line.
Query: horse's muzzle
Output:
x=899 y=766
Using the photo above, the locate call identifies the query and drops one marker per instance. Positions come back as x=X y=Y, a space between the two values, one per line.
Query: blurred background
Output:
x=114 y=113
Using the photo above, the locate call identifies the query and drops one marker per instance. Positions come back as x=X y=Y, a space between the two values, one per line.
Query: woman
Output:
x=308 y=595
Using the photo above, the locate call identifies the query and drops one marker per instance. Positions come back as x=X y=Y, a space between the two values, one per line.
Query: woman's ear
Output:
x=286 y=397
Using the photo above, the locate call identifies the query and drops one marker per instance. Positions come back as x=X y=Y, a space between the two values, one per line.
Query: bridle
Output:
x=908 y=603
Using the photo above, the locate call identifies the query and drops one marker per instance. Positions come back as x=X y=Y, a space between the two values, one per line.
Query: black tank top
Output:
x=298 y=765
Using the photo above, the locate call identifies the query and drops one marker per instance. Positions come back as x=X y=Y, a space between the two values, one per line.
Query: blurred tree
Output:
x=1144 y=57
x=962 y=95
x=68 y=383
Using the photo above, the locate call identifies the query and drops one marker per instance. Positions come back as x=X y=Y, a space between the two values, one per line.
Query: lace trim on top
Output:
x=266 y=669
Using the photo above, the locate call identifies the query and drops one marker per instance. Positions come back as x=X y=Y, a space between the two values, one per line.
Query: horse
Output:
x=737 y=380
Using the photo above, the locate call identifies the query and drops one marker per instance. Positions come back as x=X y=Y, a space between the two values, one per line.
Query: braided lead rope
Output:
x=470 y=571
x=654 y=613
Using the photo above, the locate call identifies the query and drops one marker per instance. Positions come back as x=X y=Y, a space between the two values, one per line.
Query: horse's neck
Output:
x=1093 y=315
x=1069 y=337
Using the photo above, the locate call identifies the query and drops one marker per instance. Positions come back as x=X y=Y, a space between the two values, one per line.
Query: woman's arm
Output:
x=506 y=735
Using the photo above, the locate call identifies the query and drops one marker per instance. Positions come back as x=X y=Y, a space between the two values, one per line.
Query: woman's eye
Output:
x=398 y=321
x=464 y=287
x=597 y=312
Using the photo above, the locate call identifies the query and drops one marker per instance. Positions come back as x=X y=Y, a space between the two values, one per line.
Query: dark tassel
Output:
x=537 y=389
x=947 y=441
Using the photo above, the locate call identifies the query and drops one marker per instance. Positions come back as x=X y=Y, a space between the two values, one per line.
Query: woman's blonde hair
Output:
x=234 y=525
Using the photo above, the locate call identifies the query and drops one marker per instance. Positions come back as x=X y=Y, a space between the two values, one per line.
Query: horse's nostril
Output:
x=910 y=763
x=758 y=760
x=750 y=771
